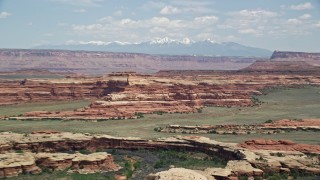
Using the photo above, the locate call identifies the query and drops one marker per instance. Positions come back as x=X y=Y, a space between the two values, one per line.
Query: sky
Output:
x=292 y=25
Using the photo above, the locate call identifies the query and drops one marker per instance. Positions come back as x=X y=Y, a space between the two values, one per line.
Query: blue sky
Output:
x=272 y=24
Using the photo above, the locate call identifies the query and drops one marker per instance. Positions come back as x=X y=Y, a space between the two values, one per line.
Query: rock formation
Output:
x=177 y=174
x=124 y=95
x=272 y=66
x=244 y=160
x=281 y=145
x=311 y=58
x=273 y=127
x=14 y=164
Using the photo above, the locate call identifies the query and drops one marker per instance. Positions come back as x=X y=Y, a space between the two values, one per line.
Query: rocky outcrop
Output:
x=281 y=145
x=244 y=160
x=274 y=127
x=177 y=174
x=244 y=168
x=298 y=124
x=218 y=129
x=14 y=164
x=311 y=58
x=80 y=163
x=283 y=67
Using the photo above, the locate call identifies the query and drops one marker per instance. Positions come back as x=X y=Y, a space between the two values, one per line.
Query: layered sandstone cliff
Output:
x=124 y=95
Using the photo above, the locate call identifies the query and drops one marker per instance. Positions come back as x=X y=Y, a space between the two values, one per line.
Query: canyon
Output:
x=128 y=94
x=252 y=158
x=147 y=85
x=123 y=95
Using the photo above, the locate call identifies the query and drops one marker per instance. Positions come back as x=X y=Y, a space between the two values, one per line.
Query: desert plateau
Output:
x=159 y=90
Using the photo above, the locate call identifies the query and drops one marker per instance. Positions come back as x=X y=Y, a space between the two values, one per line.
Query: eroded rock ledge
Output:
x=127 y=94
x=272 y=127
x=260 y=161
x=14 y=164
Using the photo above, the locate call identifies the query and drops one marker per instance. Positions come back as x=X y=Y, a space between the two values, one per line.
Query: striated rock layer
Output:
x=128 y=95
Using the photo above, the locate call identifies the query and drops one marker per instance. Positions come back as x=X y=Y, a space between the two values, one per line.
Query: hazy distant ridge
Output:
x=166 y=46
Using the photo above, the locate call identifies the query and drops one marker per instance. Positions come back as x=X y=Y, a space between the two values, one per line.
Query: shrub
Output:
x=19 y=151
x=84 y=151
x=139 y=114
x=269 y=121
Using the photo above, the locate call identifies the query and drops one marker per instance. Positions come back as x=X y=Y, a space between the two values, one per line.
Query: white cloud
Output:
x=267 y=23
x=248 y=19
x=169 y=10
x=206 y=19
x=4 y=15
x=79 y=10
x=248 y=31
x=304 y=6
x=294 y=21
x=105 y=19
x=197 y=7
x=259 y=13
x=318 y=24
x=305 y=16
x=132 y=30
x=86 y=3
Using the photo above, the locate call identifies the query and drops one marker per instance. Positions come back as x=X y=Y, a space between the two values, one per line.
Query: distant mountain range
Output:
x=166 y=46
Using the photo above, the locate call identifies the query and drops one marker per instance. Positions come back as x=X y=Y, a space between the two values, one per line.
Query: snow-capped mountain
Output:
x=166 y=46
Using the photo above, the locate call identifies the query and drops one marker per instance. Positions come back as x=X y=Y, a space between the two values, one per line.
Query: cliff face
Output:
x=277 y=66
x=127 y=95
x=13 y=92
x=311 y=58
x=87 y=62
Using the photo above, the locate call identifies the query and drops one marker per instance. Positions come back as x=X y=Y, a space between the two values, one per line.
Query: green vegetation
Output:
x=144 y=163
x=17 y=110
x=278 y=154
x=269 y=121
x=159 y=112
x=186 y=160
x=84 y=151
x=139 y=115
x=290 y=103
x=19 y=151
x=63 y=175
